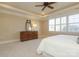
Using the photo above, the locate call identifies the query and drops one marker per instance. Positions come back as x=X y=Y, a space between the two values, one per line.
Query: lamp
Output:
x=34 y=26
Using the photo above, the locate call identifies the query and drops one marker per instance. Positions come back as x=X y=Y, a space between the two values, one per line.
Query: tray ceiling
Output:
x=30 y=6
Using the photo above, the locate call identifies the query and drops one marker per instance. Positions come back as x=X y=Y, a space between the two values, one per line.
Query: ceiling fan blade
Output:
x=43 y=8
x=51 y=3
x=38 y=5
x=51 y=7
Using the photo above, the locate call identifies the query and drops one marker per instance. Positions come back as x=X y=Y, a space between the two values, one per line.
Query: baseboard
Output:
x=9 y=41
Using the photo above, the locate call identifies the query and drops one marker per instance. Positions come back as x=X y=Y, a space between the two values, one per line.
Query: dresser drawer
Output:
x=28 y=35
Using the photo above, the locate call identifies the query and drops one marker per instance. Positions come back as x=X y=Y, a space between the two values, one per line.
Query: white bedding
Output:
x=60 y=46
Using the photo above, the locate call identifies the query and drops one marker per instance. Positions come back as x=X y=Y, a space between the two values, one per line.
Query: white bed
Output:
x=60 y=46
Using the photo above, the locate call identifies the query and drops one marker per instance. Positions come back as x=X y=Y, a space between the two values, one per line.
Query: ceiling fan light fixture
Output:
x=46 y=4
x=43 y=14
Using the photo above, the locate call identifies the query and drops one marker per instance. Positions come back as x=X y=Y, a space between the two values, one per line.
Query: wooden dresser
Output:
x=28 y=35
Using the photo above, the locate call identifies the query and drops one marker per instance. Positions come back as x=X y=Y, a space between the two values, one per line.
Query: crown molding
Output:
x=71 y=7
x=21 y=12
x=17 y=10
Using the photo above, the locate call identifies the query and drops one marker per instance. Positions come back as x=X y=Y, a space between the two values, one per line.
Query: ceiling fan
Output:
x=46 y=4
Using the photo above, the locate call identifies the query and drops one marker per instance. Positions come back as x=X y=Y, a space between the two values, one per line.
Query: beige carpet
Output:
x=20 y=49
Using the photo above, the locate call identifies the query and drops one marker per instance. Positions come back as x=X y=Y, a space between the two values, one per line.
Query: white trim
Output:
x=11 y=8
x=4 y=42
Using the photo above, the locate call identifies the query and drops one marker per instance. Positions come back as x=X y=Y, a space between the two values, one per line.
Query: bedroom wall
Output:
x=42 y=28
x=46 y=33
x=44 y=22
x=10 y=27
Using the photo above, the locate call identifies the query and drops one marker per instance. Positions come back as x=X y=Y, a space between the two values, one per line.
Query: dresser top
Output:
x=29 y=31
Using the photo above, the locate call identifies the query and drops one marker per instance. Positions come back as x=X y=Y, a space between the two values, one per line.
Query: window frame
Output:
x=67 y=23
x=56 y=24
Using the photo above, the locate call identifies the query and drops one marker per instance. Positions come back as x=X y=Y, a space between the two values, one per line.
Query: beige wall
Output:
x=43 y=28
x=10 y=27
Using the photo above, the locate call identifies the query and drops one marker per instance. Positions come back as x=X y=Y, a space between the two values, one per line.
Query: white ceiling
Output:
x=30 y=7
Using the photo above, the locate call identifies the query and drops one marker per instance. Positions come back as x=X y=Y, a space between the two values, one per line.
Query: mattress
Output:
x=59 y=46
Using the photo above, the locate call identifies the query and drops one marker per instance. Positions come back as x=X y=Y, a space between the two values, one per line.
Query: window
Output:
x=51 y=25
x=73 y=23
x=74 y=18
x=57 y=20
x=57 y=27
x=65 y=24
x=63 y=20
x=73 y=28
x=57 y=24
